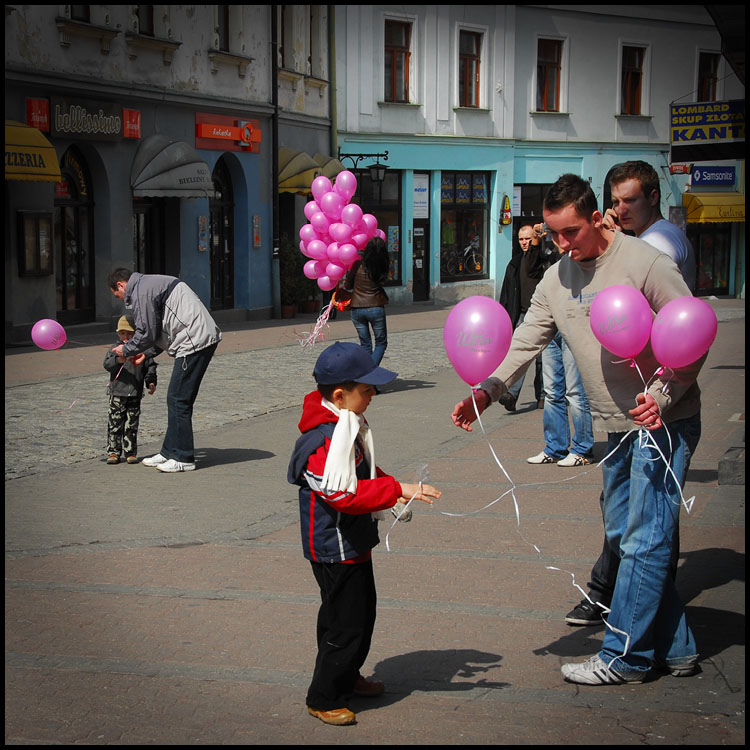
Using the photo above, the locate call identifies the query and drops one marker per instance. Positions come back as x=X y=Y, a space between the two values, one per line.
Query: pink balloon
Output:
x=371 y=223
x=320 y=186
x=347 y=255
x=333 y=252
x=346 y=184
x=48 y=334
x=307 y=233
x=477 y=337
x=359 y=240
x=320 y=222
x=311 y=207
x=326 y=283
x=351 y=215
x=380 y=233
x=621 y=320
x=331 y=205
x=335 y=271
x=317 y=250
x=312 y=269
x=340 y=232
x=683 y=331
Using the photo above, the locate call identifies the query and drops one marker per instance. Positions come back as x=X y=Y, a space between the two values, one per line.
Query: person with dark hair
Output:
x=646 y=624
x=169 y=316
x=364 y=282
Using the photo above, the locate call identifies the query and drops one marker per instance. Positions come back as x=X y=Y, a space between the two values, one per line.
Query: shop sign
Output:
x=86 y=119
x=131 y=123
x=37 y=114
x=421 y=204
x=716 y=176
x=707 y=131
x=225 y=133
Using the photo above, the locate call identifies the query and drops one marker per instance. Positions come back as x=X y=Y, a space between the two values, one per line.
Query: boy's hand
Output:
x=138 y=359
x=118 y=350
x=151 y=389
x=463 y=412
x=426 y=493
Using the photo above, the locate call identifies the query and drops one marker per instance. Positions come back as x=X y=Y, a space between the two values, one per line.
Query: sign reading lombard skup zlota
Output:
x=707 y=131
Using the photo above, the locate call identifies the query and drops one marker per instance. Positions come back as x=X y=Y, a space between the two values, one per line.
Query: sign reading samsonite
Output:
x=86 y=119
x=724 y=176
x=707 y=131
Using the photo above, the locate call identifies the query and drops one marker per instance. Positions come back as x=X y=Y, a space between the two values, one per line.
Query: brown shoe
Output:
x=132 y=459
x=113 y=458
x=368 y=688
x=336 y=716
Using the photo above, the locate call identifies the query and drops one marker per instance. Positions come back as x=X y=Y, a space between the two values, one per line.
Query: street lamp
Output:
x=377 y=170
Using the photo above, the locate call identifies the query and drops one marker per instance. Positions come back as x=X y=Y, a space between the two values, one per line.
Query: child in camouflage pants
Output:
x=127 y=378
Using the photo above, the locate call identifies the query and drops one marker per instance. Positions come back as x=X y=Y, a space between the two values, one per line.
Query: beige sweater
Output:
x=562 y=301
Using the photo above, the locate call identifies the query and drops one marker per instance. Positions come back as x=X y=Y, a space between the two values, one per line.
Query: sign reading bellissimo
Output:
x=86 y=119
x=706 y=131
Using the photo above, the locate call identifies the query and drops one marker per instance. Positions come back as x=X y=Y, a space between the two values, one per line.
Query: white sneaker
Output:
x=171 y=466
x=154 y=460
x=572 y=460
x=541 y=458
x=594 y=671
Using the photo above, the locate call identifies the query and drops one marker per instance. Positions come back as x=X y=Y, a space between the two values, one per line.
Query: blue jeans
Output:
x=563 y=394
x=641 y=512
x=363 y=318
x=184 y=384
x=515 y=389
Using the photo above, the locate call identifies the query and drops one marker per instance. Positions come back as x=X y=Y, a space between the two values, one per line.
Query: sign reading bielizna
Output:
x=707 y=131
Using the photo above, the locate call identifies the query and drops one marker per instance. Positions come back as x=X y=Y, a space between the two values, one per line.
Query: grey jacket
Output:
x=168 y=316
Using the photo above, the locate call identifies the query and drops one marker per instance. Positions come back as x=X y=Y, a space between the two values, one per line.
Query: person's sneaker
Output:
x=336 y=716
x=132 y=459
x=508 y=401
x=684 y=668
x=540 y=458
x=585 y=613
x=154 y=460
x=572 y=460
x=594 y=671
x=171 y=466
x=113 y=458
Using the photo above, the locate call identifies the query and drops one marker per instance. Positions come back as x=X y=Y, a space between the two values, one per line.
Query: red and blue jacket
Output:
x=338 y=527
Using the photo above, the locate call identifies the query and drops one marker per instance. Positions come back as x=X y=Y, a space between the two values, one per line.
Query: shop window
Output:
x=397 y=59
x=383 y=201
x=34 y=243
x=712 y=243
x=464 y=217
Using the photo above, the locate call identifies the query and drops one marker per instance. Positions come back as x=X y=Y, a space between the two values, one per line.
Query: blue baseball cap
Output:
x=344 y=362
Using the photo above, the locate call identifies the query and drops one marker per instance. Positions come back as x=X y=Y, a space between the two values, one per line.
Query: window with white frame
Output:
x=633 y=79
x=469 y=68
x=397 y=60
x=708 y=76
x=549 y=75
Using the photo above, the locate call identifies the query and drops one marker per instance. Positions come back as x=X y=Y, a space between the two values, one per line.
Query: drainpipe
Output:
x=332 y=100
x=275 y=270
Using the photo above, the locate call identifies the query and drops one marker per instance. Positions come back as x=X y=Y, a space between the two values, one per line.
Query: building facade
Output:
x=476 y=110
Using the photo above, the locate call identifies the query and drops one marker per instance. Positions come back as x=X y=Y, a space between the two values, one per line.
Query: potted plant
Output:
x=291 y=262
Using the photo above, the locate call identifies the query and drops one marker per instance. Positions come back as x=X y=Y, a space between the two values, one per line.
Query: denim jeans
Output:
x=184 y=384
x=641 y=511
x=563 y=395
x=515 y=389
x=365 y=317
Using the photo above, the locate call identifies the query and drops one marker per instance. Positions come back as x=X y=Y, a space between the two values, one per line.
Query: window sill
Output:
x=218 y=57
x=471 y=109
x=546 y=113
x=405 y=105
x=137 y=42
x=69 y=29
x=634 y=117
x=315 y=83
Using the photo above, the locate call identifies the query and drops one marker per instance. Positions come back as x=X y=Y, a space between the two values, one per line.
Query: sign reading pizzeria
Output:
x=225 y=133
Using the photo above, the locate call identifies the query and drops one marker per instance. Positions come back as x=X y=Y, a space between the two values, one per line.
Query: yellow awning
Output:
x=714 y=207
x=29 y=155
x=330 y=166
x=297 y=170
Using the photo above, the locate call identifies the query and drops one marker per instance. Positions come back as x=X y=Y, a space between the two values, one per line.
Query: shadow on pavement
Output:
x=220 y=456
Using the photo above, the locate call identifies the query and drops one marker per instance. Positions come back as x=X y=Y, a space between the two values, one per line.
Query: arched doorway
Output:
x=222 y=239
x=74 y=242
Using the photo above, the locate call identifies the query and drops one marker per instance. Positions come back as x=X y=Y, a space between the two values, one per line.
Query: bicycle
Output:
x=469 y=261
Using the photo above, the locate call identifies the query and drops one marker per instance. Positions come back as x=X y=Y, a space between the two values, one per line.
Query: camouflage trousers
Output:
x=122 y=425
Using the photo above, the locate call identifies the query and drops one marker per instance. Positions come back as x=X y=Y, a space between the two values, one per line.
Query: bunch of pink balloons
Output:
x=337 y=231
x=681 y=333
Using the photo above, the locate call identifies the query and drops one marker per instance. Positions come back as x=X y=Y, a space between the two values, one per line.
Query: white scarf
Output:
x=340 y=473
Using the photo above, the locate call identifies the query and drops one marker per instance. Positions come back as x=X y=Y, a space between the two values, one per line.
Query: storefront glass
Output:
x=712 y=243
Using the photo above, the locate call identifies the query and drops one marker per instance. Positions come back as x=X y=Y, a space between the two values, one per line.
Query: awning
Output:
x=297 y=170
x=166 y=168
x=714 y=207
x=330 y=166
x=29 y=155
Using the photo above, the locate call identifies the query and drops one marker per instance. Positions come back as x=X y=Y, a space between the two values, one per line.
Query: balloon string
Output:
x=310 y=338
x=398 y=517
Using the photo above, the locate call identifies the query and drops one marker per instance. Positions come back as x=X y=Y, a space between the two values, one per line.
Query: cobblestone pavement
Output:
x=58 y=422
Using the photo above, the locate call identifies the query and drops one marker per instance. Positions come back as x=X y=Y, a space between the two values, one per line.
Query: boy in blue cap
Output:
x=340 y=490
